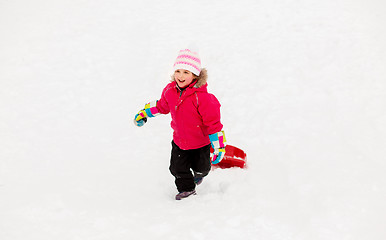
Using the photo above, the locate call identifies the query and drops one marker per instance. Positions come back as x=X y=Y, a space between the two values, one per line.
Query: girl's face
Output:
x=183 y=77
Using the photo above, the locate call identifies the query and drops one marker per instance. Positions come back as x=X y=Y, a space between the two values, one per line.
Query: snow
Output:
x=302 y=87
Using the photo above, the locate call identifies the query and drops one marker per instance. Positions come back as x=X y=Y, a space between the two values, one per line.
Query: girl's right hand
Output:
x=150 y=110
x=139 y=119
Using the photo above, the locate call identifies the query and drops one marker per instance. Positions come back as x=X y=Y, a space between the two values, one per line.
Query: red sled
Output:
x=234 y=157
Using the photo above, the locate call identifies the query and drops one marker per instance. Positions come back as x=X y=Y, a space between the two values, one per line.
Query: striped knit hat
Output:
x=188 y=60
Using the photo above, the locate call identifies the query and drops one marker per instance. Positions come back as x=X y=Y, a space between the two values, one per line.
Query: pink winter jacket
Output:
x=195 y=114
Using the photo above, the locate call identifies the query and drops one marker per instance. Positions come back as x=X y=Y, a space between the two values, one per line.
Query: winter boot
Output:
x=198 y=180
x=182 y=195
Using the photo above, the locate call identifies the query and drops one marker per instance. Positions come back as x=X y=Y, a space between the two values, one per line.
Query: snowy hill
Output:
x=302 y=87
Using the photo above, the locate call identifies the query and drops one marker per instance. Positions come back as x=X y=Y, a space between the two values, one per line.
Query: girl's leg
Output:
x=201 y=164
x=180 y=164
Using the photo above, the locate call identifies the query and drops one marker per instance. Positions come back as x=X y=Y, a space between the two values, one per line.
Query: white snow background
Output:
x=303 y=92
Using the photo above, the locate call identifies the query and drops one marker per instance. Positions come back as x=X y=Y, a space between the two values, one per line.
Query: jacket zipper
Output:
x=179 y=98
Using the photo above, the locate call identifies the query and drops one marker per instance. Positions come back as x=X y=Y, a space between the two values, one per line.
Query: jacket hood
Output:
x=201 y=80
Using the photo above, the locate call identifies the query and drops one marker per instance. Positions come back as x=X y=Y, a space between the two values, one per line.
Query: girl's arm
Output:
x=209 y=109
x=152 y=109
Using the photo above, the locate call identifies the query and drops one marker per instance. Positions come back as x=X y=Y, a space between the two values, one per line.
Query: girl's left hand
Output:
x=218 y=142
x=218 y=155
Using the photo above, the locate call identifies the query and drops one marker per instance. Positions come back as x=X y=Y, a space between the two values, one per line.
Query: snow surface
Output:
x=302 y=86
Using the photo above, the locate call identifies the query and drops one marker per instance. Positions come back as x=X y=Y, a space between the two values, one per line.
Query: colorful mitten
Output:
x=150 y=110
x=218 y=142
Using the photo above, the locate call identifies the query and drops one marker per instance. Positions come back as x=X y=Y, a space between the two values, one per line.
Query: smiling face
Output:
x=183 y=77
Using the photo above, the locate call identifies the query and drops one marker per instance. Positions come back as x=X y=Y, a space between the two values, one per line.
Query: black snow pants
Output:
x=183 y=162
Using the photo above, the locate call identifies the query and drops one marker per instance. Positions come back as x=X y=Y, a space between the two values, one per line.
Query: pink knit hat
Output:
x=188 y=60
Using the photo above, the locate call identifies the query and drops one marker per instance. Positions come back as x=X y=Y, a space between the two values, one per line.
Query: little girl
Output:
x=195 y=120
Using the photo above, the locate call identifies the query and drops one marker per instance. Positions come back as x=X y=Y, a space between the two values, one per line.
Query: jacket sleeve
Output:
x=209 y=109
x=162 y=104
